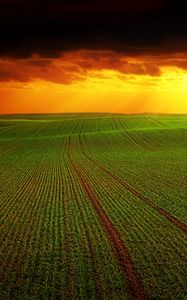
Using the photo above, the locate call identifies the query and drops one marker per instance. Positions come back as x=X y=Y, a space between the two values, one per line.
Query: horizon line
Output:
x=94 y=112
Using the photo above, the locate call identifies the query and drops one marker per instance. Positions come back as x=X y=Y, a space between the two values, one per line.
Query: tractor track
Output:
x=120 y=250
x=179 y=224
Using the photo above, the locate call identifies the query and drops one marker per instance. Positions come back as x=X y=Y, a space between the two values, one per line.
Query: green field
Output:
x=93 y=206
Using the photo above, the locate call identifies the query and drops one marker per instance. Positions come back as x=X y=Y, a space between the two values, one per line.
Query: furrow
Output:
x=179 y=224
x=120 y=250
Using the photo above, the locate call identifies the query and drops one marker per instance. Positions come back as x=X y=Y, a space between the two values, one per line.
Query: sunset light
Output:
x=93 y=149
x=94 y=81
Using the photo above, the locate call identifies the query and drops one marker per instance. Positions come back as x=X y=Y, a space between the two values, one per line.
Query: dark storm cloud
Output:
x=73 y=66
x=132 y=26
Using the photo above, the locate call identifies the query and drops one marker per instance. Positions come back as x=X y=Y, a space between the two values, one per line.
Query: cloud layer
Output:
x=75 y=66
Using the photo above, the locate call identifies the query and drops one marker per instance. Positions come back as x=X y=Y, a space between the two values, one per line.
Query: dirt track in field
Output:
x=98 y=291
x=179 y=224
x=120 y=250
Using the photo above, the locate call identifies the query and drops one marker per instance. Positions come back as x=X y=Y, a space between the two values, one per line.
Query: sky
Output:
x=93 y=56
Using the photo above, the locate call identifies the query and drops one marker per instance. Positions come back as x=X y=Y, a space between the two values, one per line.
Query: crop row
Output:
x=146 y=225
x=80 y=221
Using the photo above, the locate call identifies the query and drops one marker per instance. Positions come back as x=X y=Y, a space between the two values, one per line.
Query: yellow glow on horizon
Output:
x=101 y=91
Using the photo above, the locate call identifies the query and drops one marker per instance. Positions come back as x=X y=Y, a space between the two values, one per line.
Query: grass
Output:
x=93 y=206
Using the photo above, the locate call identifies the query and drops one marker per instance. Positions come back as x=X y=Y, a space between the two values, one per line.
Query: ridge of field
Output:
x=93 y=206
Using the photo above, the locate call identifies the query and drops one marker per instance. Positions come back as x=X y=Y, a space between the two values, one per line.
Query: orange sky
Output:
x=102 y=81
